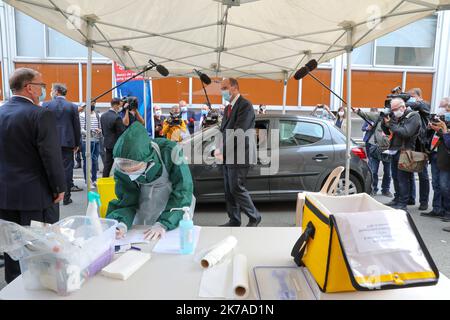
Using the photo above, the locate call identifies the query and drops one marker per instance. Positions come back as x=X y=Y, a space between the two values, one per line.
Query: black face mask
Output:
x=92 y=108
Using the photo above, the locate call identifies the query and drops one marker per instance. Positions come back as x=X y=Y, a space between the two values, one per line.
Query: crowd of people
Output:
x=411 y=126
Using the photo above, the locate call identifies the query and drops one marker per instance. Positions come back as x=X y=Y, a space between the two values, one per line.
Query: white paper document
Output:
x=132 y=237
x=228 y=279
x=170 y=243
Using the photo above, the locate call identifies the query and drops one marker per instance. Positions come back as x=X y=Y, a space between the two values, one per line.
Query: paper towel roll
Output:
x=219 y=252
x=240 y=277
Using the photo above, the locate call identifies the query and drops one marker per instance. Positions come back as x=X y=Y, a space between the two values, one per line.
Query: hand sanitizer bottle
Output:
x=92 y=212
x=186 y=233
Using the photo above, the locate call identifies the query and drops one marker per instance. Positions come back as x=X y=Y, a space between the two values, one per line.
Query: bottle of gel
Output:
x=186 y=233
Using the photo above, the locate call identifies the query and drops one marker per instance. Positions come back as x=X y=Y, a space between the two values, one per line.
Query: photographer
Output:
x=404 y=126
x=440 y=163
x=323 y=112
x=443 y=164
x=418 y=104
x=174 y=128
x=130 y=113
x=376 y=143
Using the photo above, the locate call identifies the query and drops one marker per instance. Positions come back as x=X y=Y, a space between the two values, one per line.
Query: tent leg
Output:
x=285 y=93
x=349 y=108
x=90 y=27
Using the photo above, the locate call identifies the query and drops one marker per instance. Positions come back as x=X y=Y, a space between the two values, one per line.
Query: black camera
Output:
x=436 y=119
x=386 y=113
x=133 y=103
x=404 y=96
x=175 y=119
x=211 y=119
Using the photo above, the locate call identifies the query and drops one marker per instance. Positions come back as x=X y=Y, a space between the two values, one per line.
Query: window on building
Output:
x=363 y=55
x=32 y=42
x=29 y=36
x=413 y=45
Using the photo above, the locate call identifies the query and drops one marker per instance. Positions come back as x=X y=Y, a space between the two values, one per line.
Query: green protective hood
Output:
x=134 y=144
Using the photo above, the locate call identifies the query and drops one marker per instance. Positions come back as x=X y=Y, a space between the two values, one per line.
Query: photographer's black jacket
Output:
x=443 y=155
x=405 y=131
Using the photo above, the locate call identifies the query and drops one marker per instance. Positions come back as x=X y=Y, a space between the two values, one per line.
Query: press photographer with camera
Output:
x=403 y=126
x=418 y=104
x=377 y=142
x=130 y=113
x=440 y=162
x=174 y=128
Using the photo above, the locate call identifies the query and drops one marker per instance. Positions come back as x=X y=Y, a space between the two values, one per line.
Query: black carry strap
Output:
x=299 y=249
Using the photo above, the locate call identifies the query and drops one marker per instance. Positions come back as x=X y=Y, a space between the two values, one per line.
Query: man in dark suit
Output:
x=113 y=127
x=239 y=119
x=69 y=132
x=32 y=178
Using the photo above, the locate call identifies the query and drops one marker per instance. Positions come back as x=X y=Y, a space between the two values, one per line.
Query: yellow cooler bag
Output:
x=354 y=243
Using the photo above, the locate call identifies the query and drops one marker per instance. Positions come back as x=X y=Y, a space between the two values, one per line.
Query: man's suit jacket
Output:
x=191 y=124
x=31 y=167
x=67 y=121
x=112 y=127
x=242 y=117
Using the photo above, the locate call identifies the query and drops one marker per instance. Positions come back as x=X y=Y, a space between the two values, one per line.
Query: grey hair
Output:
x=60 y=88
x=400 y=101
x=21 y=77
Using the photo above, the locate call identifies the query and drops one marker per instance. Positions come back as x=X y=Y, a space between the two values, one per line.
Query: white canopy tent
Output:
x=268 y=39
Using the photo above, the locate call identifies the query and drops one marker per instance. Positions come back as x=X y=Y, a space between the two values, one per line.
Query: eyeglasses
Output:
x=37 y=84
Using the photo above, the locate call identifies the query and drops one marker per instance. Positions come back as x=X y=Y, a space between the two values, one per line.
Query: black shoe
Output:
x=388 y=194
x=411 y=203
x=231 y=225
x=67 y=202
x=76 y=189
x=446 y=218
x=254 y=224
x=392 y=203
x=399 y=207
x=431 y=214
x=423 y=207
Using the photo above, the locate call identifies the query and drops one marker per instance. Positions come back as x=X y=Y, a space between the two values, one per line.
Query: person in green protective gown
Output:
x=153 y=183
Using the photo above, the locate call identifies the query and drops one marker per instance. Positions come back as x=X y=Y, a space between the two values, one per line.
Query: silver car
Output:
x=309 y=150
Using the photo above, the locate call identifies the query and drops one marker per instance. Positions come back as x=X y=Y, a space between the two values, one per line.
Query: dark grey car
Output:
x=309 y=150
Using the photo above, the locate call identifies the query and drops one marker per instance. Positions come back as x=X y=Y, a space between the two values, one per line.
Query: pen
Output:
x=135 y=248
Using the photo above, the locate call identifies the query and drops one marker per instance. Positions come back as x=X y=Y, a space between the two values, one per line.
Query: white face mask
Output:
x=341 y=114
x=399 y=113
x=158 y=112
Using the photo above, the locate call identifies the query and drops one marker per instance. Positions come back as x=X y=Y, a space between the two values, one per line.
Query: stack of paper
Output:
x=126 y=265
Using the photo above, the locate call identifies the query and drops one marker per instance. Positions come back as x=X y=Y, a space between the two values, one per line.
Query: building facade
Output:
x=417 y=55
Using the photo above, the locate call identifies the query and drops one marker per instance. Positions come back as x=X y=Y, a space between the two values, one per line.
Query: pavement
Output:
x=282 y=214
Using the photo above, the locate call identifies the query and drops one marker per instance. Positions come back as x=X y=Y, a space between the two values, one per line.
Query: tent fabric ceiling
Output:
x=259 y=39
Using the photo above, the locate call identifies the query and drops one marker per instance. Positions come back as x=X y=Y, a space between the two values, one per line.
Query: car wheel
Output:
x=354 y=188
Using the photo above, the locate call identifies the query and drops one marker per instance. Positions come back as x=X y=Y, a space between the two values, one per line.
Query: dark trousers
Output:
x=109 y=161
x=69 y=163
x=237 y=196
x=424 y=187
x=402 y=183
x=24 y=218
x=95 y=152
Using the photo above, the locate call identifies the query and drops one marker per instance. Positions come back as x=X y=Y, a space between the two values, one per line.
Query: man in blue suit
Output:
x=32 y=179
x=69 y=132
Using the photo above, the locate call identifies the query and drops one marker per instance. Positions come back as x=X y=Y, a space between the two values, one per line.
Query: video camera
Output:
x=133 y=103
x=396 y=93
x=175 y=119
x=211 y=119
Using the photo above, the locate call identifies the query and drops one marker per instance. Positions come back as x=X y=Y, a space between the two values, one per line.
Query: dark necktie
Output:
x=230 y=109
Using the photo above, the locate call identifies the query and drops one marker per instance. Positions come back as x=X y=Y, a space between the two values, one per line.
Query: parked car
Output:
x=309 y=150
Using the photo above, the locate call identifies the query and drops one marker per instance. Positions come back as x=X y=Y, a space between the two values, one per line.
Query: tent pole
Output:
x=90 y=26
x=285 y=92
x=145 y=102
x=349 y=50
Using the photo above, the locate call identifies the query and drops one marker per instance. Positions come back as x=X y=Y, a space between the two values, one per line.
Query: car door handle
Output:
x=320 y=157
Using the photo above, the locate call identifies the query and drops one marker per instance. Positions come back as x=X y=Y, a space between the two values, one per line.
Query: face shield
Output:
x=132 y=168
